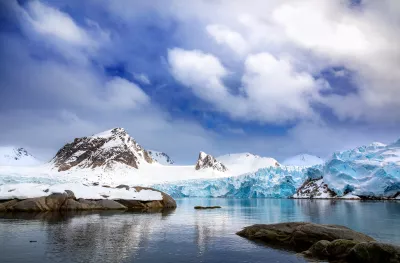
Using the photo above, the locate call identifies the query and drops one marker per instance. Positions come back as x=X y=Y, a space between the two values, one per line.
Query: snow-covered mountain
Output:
x=246 y=162
x=160 y=157
x=208 y=161
x=12 y=156
x=303 y=160
x=102 y=150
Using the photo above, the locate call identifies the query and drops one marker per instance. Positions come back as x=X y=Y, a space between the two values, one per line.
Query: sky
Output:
x=274 y=78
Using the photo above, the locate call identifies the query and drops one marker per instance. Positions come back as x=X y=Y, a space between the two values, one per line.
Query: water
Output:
x=182 y=235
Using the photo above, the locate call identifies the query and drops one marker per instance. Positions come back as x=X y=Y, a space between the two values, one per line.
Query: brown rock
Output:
x=300 y=236
x=374 y=252
x=166 y=202
x=6 y=205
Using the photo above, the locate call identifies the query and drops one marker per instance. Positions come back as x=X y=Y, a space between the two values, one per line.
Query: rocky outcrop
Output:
x=314 y=189
x=327 y=242
x=101 y=150
x=67 y=201
x=208 y=161
x=161 y=157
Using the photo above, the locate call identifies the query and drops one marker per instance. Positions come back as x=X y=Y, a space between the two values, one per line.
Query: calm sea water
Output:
x=182 y=235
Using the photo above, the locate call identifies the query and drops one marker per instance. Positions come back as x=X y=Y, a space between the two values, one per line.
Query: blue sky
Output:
x=275 y=78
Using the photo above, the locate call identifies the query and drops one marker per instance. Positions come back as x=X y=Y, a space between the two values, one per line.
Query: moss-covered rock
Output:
x=374 y=252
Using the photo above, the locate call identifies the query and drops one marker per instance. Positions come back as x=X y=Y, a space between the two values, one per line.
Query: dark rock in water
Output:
x=299 y=235
x=206 y=207
x=374 y=252
x=327 y=242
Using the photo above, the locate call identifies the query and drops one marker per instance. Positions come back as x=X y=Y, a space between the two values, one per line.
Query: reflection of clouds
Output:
x=101 y=237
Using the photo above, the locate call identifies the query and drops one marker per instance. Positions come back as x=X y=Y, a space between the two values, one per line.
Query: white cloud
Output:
x=52 y=22
x=142 y=78
x=123 y=94
x=272 y=91
x=224 y=35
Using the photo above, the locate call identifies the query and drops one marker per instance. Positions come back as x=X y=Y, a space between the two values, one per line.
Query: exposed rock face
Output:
x=161 y=157
x=314 y=189
x=101 y=150
x=326 y=242
x=67 y=201
x=208 y=161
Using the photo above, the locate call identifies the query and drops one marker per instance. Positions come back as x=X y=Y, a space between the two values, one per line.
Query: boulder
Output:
x=166 y=202
x=300 y=236
x=52 y=202
x=71 y=204
x=6 y=205
x=70 y=194
x=110 y=205
x=374 y=252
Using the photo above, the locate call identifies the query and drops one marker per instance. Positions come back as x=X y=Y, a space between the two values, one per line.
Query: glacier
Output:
x=271 y=182
x=371 y=171
x=368 y=171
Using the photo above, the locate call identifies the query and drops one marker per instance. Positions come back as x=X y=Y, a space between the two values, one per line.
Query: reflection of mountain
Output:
x=208 y=225
x=101 y=237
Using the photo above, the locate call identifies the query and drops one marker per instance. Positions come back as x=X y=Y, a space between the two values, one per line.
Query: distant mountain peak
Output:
x=103 y=150
x=14 y=156
x=208 y=161
x=160 y=157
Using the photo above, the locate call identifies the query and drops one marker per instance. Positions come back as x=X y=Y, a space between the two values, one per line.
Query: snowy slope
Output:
x=11 y=156
x=160 y=157
x=242 y=163
x=303 y=160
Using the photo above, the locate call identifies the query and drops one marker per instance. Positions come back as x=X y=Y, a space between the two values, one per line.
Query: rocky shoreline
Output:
x=323 y=242
x=67 y=201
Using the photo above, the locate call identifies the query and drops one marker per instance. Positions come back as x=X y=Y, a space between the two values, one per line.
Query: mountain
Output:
x=303 y=160
x=246 y=162
x=11 y=156
x=160 y=157
x=103 y=150
x=208 y=161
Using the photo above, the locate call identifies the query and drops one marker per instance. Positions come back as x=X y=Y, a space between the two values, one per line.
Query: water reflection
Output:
x=181 y=235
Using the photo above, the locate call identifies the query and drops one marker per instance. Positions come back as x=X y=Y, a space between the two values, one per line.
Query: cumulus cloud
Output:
x=317 y=35
x=224 y=35
x=272 y=89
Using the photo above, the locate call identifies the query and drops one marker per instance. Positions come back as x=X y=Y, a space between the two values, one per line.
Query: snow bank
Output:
x=31 y=190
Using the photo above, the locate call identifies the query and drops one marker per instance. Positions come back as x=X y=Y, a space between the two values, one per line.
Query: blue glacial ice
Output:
x=370 y=171
x=273 y=182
